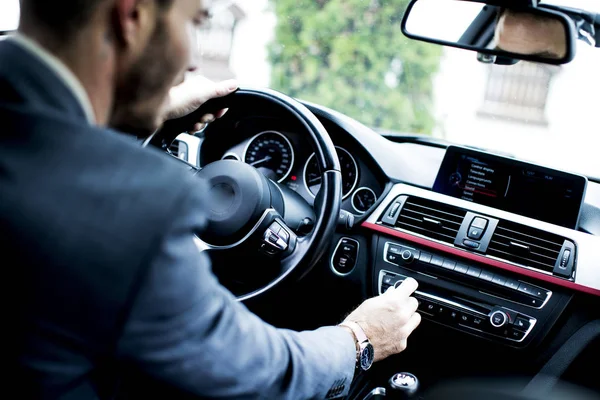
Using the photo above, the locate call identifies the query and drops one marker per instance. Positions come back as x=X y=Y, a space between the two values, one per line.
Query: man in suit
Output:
x=111 y=295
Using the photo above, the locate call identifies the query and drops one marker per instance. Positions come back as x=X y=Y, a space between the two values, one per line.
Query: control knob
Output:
x=407 y=256
x=498 y=318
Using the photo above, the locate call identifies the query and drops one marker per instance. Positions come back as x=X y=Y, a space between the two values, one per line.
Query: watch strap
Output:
x=359 y=333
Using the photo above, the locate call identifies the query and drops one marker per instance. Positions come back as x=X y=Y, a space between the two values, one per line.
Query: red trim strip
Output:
x=481 y=259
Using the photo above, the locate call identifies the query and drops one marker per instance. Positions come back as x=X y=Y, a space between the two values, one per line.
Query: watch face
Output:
x=367 y=355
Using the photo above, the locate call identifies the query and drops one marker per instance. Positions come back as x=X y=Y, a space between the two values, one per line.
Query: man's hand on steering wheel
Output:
x=196 y=90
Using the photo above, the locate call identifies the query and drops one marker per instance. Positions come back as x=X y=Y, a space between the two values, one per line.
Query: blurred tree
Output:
x=350 y=55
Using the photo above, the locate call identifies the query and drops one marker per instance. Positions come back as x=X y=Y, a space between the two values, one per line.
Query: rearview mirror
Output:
x=524 y=33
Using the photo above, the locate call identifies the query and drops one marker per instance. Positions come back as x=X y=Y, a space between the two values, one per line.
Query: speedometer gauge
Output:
x=272 y=154
x=312 y=173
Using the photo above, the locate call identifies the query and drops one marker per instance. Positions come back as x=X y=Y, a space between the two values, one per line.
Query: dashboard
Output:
x=506 y=253
x=499 y=246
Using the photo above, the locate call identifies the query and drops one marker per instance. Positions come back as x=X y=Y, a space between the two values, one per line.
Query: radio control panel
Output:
x=498 y=322
x=495 y=283
x=465 y=295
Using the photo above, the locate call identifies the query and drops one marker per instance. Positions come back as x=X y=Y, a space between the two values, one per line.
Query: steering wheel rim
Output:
x=308 y=250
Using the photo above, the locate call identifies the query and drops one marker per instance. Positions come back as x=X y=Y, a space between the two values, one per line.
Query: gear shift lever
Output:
x=402 y=386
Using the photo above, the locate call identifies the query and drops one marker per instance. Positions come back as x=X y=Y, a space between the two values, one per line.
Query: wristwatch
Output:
x=365 y=354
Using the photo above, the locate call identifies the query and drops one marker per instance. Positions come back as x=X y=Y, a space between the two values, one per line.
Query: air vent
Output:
x=431 y=219
x=527 y=246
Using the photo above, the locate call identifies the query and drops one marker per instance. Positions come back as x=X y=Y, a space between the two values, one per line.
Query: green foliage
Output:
x=338 y=53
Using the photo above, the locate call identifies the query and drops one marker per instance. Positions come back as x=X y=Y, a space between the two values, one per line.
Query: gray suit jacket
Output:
x=108 y=292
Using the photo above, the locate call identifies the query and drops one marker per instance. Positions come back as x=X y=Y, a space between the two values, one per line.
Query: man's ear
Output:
x=135 y=21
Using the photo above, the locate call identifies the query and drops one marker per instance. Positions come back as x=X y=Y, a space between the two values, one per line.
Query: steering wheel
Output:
x=261 y=234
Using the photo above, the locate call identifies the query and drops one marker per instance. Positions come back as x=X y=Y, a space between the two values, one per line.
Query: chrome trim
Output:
x=385 y=249
x=231 y=154
x=460 y=307
x=378 y=391
x=540 y=271
x=548 y=296
x=466 y=250
x=202 y=245
x=548 y=292
x=503 y=316
x=355 y=175
x=386 y=246
x=335 y=271
x=587 y=273
x=427 y=295
x=284 y=138
x=279 y=244
x=354 y=194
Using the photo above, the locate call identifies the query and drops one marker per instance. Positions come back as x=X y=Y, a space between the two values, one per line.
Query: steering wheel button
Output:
x=284 y=235
x=282 y=244
x=275 y=228
x=268 y=249
x=272 y=237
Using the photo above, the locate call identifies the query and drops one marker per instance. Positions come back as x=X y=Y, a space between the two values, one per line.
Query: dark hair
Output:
x=63 y=17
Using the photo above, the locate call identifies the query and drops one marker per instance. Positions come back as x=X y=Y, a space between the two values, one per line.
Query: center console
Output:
x=493 y=245
x=483 y=314
x=466 y=296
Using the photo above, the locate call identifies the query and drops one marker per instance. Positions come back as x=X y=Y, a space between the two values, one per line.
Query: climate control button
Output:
x=498 y=319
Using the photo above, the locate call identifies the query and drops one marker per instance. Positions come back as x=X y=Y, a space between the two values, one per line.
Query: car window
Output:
x=351 y=56
x=9 y=15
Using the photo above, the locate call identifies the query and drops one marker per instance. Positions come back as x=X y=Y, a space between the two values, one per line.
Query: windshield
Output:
x=352 y=57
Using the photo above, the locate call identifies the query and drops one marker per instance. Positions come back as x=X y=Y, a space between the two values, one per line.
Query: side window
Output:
x=9 y=16
x=518 y=92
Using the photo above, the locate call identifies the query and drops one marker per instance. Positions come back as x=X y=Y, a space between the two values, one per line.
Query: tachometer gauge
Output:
x=312 y=173
x=272 y=154
x=363 y=199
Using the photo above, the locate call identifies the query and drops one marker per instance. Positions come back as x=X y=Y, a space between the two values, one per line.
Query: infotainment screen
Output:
x=510 y=185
